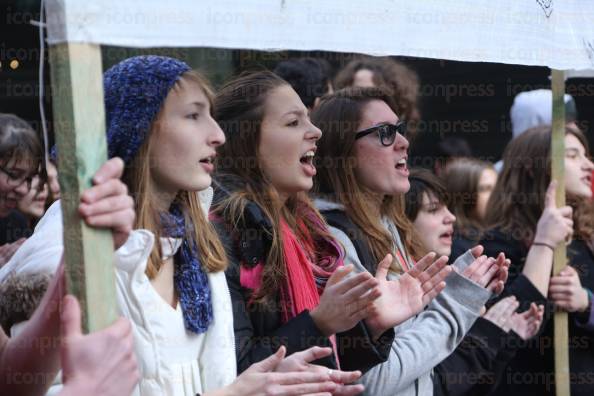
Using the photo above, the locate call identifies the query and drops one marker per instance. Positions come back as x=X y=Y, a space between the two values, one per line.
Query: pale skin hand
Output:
x=345 y=301
x=8 y=250
x=500 y=314
x=23 y=352
x=260 y=379
x=486 y=271
x=101 y=363
x=555 y=225
x=566 y=291
x=527 y=324
x=107 y=204
x=504 y=315
x=403 y=298
x=301 y=362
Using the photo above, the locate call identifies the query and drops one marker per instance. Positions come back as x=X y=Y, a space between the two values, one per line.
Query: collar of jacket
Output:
x=253 y=234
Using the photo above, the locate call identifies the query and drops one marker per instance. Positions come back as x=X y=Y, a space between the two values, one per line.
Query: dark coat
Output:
x=258 y=328
x=531 y=372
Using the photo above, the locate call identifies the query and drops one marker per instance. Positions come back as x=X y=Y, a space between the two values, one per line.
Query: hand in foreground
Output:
x=301 y=362
x=346 y=300
x=526 y=324
x=408 y=295
x=486 y=271
x=107 y=204
x=101 y=363
x=566 y=291
x=555 y=225
x=500 y=313
x=260 y=379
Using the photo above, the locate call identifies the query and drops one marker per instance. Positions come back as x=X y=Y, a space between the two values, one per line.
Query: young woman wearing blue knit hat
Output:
x=170 y=279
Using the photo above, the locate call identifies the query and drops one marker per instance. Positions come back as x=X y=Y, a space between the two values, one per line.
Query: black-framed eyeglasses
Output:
x=386 y=132
x=14 y=180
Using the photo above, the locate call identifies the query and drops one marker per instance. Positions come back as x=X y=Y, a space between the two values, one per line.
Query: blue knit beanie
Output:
x=134 y=91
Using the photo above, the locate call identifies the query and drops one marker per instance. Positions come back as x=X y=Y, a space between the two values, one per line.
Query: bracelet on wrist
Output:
x=535 y=243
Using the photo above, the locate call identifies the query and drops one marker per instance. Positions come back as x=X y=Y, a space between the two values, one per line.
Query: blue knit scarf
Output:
x=190 y=279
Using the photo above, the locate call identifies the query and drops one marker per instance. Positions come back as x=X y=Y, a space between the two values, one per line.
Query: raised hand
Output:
x=346 y=300
x=486 y=271
x=527 y=324
x=261 y=380
x=107 y=204
x=406 y=296
x=501 y=313
x=566 y=291
x=301 y=362
x=555 y=224
x=101 y=363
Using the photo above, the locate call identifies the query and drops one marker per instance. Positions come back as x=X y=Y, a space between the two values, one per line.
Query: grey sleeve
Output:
x=351 y=256
x=463 y=261
x=424 y=341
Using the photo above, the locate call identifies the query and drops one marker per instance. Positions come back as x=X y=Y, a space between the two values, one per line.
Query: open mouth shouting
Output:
x=402 y=167
x=307 y=164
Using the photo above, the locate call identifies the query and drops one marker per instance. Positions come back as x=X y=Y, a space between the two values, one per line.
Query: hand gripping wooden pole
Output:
x=79 y=125
x=560 y=257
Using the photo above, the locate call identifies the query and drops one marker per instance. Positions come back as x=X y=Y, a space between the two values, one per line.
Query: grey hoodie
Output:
x=423 y=341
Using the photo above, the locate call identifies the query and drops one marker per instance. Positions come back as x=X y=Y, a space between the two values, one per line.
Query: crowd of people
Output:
x=270 y=239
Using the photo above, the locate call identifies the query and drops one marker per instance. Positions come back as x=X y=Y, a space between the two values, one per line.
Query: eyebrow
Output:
x=384 y=123
x=200 y=105
x=295 y=112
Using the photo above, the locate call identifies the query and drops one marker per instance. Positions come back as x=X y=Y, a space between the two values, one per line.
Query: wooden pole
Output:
x=79 y=121
x=560 y=257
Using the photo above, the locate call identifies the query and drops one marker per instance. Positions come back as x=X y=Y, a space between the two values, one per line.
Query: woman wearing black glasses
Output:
x=19 y=155
x=362 y=177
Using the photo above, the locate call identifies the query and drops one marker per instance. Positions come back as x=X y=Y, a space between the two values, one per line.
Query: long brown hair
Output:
x=339 y=116
x=239 y=110
x=462 y=182
x=517 y=201
x=137 y=176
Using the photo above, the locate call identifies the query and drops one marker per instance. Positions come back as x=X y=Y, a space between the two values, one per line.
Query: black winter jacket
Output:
x=258 y=328
x=531 y=372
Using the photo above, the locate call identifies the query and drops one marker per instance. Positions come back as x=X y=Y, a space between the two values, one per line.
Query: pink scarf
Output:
x=306 y=274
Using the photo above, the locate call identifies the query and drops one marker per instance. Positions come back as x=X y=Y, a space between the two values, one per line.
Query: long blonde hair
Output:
x=338 y=116
x=137 y=176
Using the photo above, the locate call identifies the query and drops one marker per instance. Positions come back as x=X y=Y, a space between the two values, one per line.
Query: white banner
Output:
x=554 y=33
